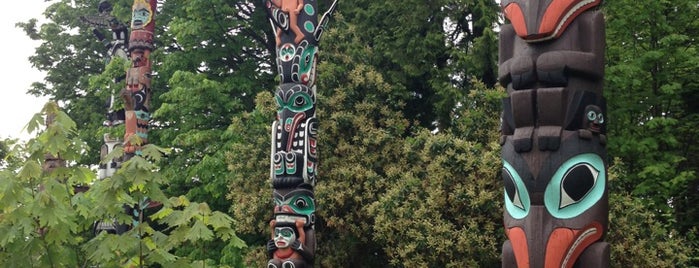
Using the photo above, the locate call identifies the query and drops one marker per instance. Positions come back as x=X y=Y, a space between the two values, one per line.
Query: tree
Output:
x=651 y=89
x=47 y=222
x=431 y=54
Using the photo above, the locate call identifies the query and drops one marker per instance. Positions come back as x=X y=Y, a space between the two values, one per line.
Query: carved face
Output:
x=555 y=210
x=539 y=20
x=295 y=104
x=290 y=205
x=283 y=236
x=594 y=119
x=141 y=14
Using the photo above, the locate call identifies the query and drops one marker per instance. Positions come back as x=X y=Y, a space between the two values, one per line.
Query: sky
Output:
x=17 y=74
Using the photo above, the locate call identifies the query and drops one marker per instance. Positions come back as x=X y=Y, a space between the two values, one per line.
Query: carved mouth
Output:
x=289 y=218
x=565 y=245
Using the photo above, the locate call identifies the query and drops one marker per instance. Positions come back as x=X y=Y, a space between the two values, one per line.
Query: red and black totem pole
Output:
x=135 y=115
x=137 y=93
x=553 y=134
x=294 y=155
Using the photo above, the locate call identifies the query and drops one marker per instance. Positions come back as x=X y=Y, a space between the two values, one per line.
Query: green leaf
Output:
x=30 y=170
x=198 y=232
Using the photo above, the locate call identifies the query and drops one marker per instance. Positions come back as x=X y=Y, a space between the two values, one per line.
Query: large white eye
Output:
x=600 y=118
x=577 y=183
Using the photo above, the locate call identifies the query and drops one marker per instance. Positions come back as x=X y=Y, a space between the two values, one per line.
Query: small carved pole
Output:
x=553 y=134
x=137 y=93
x=51 y=161
x=294 y=155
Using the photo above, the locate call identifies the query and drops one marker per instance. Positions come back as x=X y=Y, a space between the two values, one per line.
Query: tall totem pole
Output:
x=294 y=155
x=553 y=134
x=137 y=93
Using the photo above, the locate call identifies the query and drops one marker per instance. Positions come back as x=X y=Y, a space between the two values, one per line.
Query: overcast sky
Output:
x=16 y=107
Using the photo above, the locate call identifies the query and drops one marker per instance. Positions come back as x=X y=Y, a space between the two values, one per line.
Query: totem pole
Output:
x=553 y=134
x=137 y=93
x=51 y=161
x=115 y=48
x=294 y=155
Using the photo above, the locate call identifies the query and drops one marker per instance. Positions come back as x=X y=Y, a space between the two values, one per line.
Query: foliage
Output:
x=48 y=216
x=430 y=56
x=638 y=238
x=652 y=88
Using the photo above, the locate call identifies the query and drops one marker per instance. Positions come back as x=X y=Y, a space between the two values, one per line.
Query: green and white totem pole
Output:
x=294 y=154
x=553 y=134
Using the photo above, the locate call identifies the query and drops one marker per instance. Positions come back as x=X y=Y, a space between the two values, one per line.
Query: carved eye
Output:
x=576 y=186
x=577 y=183
x=283 y=232
x=302 y=102
x=299 y=101
x=600 y=118
x=300 y=203
x=286 y=232
x=591 y=115
x=516 y=194
x=511 y=189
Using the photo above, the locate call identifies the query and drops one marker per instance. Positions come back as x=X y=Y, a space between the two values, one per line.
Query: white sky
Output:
x=17 y=74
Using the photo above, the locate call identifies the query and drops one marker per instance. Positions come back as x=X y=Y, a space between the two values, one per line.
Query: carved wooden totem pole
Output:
x=137 y=93
x=553 y=134
x=294 y=155
x=116 y=47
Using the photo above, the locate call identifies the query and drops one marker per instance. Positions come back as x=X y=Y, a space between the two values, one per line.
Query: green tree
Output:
x=651 y=89
x=431 y=54
x=637 y=235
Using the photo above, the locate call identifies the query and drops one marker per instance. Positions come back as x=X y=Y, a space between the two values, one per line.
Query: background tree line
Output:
x=409 y=114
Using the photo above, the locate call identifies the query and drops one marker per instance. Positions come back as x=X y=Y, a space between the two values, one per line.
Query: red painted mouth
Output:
x=565 y=245
x=563 y=248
